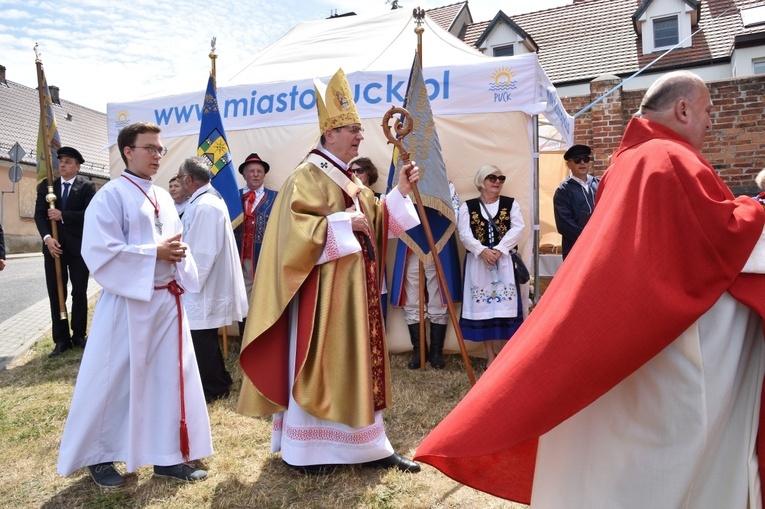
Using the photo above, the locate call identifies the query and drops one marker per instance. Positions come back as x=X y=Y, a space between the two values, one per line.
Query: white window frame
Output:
x=511 y=47
x=676 y=18
x=758 y=66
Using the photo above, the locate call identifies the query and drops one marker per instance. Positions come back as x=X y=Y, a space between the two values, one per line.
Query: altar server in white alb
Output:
x=138 y=397
x=222 y=298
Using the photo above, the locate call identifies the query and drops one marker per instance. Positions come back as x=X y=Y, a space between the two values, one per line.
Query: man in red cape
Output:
x=664 y=248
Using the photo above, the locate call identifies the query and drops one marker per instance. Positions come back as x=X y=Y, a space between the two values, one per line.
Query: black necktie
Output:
x=64 y=195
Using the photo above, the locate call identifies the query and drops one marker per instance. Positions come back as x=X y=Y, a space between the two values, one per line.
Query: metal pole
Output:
x=535 y=207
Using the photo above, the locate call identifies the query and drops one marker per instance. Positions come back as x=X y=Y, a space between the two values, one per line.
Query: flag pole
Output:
x=213 y=56
x=419 y=16
x=51 y=196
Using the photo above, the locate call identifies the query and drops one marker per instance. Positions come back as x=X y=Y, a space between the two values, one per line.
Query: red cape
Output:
x=667 y=239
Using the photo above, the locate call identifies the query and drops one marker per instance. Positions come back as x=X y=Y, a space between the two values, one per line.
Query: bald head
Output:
x=679 y=100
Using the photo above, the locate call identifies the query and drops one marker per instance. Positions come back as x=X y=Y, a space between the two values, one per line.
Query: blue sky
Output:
x=99 y=51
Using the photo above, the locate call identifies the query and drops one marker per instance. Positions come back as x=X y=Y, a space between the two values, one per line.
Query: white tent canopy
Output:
x=355 y=43
x=483 y=107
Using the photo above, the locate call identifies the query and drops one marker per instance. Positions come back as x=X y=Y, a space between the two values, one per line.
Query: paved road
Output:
x=24 y=307
x=22 y=284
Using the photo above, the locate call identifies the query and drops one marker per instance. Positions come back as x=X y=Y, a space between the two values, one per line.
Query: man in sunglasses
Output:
x=574 y=199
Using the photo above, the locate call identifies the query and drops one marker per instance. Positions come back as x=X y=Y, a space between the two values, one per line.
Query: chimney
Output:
x=2 y=74
x=54 y=97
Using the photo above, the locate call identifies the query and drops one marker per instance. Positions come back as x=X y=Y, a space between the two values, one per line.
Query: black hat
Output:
x=577 y=150
x=70 y=152
x=254 y=158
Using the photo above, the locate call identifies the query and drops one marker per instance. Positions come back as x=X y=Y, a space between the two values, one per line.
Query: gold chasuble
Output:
x=341 y=363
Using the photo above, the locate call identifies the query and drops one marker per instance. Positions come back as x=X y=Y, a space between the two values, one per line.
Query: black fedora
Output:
x=254 y=158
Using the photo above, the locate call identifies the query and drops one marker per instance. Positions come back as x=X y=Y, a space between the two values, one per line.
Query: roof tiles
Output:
x=85 y=130
x=581 y=41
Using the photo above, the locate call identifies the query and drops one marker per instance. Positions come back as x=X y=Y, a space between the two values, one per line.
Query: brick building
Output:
x=735 y=146
x=590 y=47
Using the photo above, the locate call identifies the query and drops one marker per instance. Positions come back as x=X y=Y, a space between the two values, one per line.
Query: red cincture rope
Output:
x=177 y=291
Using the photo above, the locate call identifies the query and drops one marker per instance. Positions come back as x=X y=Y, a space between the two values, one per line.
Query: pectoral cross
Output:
x=158 y=224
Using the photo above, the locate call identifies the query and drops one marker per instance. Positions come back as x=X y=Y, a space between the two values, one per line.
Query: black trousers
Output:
x=216 y=381
x=74 y=270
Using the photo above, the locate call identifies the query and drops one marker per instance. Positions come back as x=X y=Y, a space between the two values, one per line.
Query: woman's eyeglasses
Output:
x=358 y=171
x=493 y=178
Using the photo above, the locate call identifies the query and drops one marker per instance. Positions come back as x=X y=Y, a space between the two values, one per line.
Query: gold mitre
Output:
x=335 y=102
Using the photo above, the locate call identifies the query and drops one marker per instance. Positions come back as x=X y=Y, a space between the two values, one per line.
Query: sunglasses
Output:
x=358 y=171
x=579 y=159
x=493 y=178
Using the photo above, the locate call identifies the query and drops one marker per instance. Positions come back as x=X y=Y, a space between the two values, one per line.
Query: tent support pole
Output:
x=535 y=201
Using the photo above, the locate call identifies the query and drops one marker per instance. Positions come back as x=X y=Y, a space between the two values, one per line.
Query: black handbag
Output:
x=521 y=271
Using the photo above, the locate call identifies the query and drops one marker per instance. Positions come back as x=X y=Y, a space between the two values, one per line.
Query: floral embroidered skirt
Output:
x=491 y=304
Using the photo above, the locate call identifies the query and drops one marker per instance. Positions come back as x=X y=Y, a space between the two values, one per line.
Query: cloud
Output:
x=13 y=14
x=100 y=51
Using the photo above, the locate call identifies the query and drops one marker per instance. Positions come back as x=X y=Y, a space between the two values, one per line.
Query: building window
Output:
x=665 y=32
x=504 y=51
x=758 y=66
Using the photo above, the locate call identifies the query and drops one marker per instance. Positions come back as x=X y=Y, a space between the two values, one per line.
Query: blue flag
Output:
x=213 y=146
x=423 y=145
x=436 y=193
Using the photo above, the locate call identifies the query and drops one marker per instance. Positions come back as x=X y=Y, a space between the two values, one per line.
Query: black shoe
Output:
x=414 y=336
x=106 y=476
x=394 y=461
x=61 y=347
x=312 y=469
x=414 y=362
x=79 y=342
x=437 y=337
x=181 y=472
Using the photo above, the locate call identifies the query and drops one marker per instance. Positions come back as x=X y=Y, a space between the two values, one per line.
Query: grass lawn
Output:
x=34 y=400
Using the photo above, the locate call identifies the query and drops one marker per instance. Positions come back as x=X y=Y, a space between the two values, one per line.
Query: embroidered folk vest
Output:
x=480 y=226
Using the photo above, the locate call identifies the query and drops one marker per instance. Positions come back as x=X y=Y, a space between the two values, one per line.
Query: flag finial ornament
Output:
x=334 y=102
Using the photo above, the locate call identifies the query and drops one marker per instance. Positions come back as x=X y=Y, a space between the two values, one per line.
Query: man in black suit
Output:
x=73 y=194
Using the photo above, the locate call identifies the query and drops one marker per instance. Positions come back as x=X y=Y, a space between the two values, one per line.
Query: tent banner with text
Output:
x=500 y=84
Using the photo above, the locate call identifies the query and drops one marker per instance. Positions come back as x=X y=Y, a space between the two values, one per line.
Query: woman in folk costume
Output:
x=314 y=352
x=490 y=227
